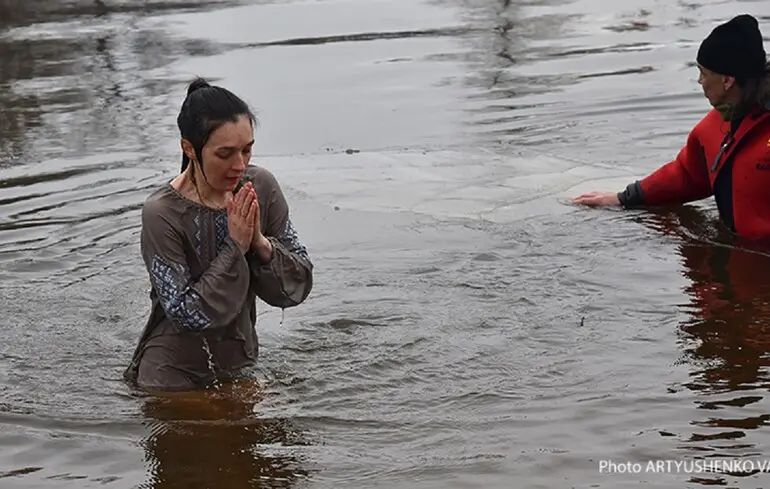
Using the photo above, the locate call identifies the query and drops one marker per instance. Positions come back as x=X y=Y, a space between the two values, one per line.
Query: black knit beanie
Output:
x=734 y=49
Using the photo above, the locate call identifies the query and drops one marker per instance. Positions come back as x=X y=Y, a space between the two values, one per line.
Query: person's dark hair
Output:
x=755 y=93
x=205 y=109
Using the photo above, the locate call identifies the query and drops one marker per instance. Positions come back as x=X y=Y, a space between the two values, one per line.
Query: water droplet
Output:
x=210 y=360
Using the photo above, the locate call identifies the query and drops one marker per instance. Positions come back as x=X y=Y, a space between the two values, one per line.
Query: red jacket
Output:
x=693 y=174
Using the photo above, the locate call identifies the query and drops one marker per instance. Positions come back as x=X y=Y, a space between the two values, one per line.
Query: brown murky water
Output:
x=468 y=327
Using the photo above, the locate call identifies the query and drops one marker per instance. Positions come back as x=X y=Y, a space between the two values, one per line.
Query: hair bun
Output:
x=197 y=84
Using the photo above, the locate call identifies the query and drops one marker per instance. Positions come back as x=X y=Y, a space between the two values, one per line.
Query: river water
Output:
x=469 y=328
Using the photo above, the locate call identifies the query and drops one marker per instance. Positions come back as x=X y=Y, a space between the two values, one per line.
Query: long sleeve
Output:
x=214 y=299
x=685 y=179
x=287 y=279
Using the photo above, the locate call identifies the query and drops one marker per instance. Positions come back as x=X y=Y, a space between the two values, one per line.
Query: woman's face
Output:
x=716 y=87
x=227 y=154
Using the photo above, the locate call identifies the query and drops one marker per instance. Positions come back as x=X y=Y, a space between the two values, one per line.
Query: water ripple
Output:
x=466 y=325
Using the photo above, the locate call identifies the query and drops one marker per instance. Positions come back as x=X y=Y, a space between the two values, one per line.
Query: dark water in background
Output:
x=468 y=328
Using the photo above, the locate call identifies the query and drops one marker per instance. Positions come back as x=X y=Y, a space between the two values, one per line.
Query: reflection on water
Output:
x=726 y=340
x=82 y=130
x=24 y=12
x=509 y=39
x=217 y=439
x=85 y=70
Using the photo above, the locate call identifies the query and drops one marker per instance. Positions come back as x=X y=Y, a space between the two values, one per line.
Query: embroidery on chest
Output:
x=200 y=233
x=220 y=226
x=209 y=234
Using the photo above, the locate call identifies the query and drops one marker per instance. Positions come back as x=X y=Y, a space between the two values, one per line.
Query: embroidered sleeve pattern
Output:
x=181 y=302
x=290 y=240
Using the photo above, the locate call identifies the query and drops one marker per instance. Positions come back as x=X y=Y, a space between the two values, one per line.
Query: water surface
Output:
x=468 y=327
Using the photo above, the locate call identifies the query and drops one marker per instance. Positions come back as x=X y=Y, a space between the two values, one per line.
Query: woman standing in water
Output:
x=213 y=240
x=727 y=154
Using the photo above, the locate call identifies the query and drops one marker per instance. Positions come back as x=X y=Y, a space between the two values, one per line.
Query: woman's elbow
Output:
x=289 y=295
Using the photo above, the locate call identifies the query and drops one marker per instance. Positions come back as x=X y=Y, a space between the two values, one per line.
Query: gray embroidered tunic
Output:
x=204 y=289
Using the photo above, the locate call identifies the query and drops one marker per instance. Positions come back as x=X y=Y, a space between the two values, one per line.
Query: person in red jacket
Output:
x=727 y=154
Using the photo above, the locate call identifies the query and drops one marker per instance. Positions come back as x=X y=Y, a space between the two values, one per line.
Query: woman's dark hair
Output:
x=205 y=109
x=755 y=93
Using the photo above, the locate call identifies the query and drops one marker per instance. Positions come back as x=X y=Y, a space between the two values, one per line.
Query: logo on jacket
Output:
x=764 y=163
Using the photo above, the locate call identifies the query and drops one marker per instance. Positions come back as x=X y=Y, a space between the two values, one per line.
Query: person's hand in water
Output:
x=259 y=243
x=241 y=211
x=596 y=199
